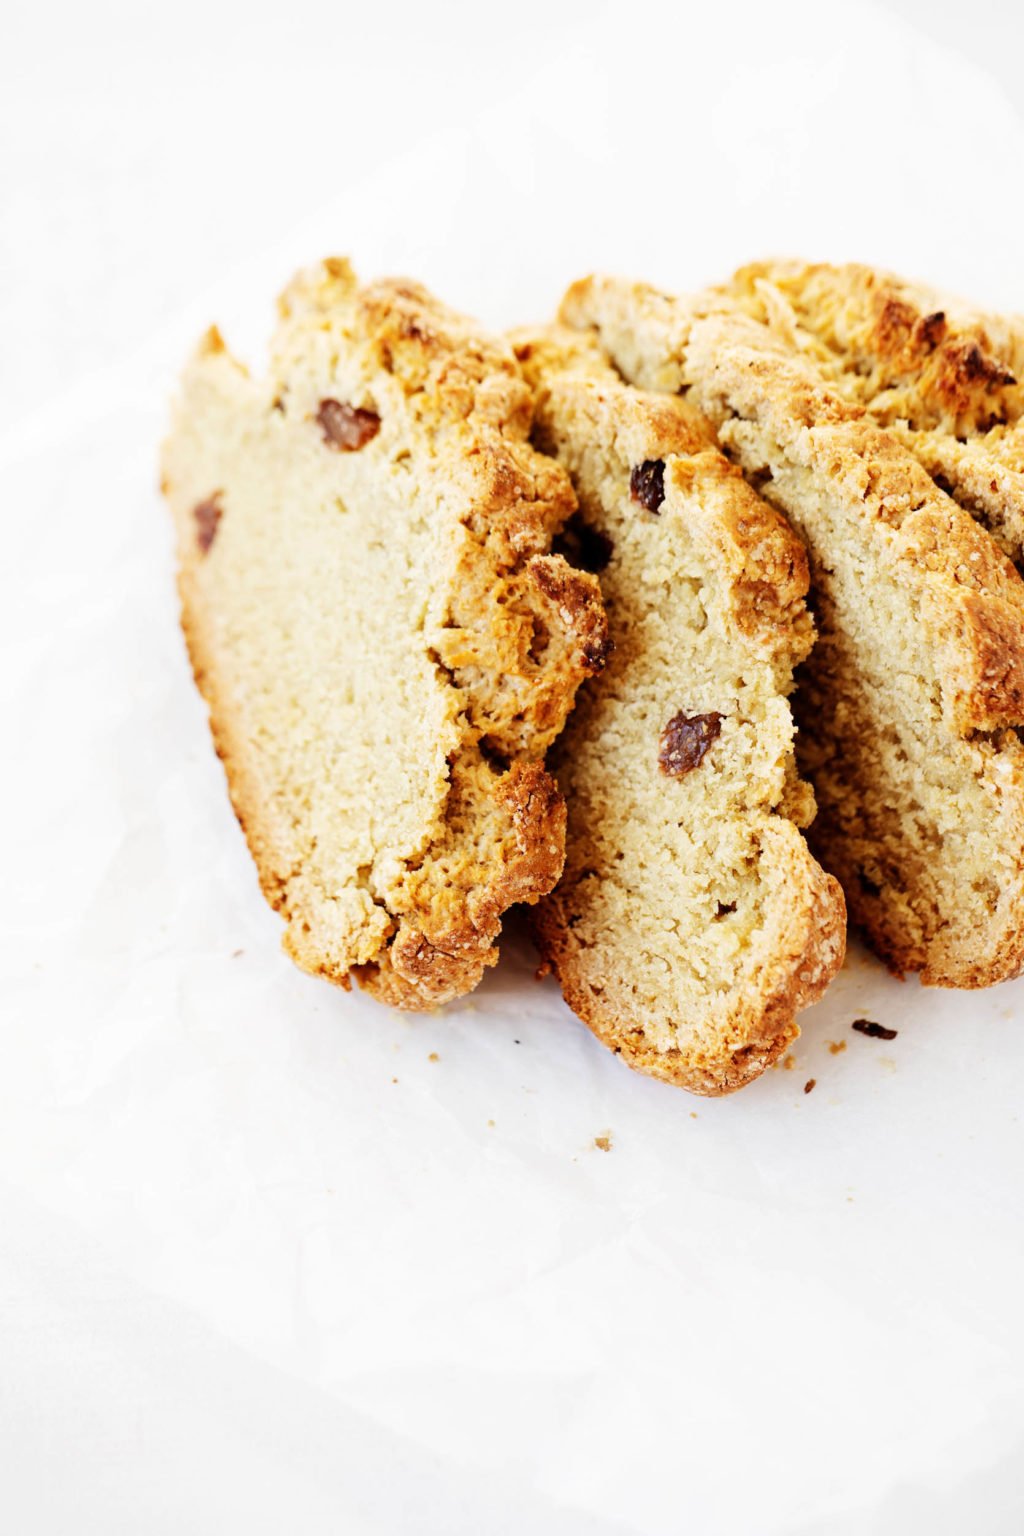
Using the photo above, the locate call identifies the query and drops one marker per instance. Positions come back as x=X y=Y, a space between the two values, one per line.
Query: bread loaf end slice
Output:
x=384 y=639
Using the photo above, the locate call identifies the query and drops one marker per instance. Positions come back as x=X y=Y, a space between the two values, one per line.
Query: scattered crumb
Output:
x=236 y=953
x=543 y=970
x=789 y=1062
x=835 y=1046
x=849 y=1199
x=604 y=1141
x=887 y=1062
x=394 y=1079
x=433 y=1056
x=693 y=1114
x=876 y=1031
x=518 y=1042
x=809 y=1085
x=491 y=1124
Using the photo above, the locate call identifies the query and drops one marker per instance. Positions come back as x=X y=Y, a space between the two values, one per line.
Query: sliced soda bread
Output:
x=909 y=701
x=386 y=643
x=691 y=923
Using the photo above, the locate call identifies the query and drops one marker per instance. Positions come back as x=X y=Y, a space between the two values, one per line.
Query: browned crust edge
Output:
x=818 y=951
x=416 y=972
x=410 y=972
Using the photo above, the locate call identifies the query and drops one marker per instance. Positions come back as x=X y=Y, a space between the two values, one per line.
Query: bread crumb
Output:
x=789 y=1062
x=604 y=1141
x=491 y=1123
x=693 y=1114
x=237 y=953
x=433 y=1056
x=809 y=1085
x=394 y=1079
x=875 y=1031
x=835 y=1046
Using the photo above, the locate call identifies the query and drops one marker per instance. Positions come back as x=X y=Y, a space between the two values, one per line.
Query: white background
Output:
x=266 y=1266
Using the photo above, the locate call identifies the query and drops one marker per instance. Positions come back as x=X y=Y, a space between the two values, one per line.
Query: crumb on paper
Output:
x=237 y=953
x=875 y=1031
x=693 y=1114
x=518 y=1042
x=491 y=1124
x=888 y=1062
x=809 y=1085
x=789 y=1062
x=433 y=1056
x=604 y=1141
x=394 y=1079
x=835 y=1046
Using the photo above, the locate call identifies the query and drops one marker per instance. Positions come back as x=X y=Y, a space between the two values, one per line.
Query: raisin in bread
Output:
x=386 y=643
x=909 y=702
x=691 y=923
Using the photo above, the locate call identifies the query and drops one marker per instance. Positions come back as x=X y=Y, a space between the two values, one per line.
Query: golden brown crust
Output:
x=905 y=351
x=971 y=595
x=812 y=953
x=944 y=378
x=418 y=972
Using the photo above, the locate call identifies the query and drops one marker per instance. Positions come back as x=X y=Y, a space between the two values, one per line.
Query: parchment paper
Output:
x=272 y=1258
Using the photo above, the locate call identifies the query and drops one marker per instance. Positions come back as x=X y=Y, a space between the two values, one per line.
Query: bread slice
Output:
x=944 y=378
x=909 y=701
x=691 y=924
x=385 y=641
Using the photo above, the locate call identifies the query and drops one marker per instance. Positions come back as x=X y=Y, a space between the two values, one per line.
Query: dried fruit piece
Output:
x=685 y=742
x=207 y=515
x=647 y=484
x=346 y=427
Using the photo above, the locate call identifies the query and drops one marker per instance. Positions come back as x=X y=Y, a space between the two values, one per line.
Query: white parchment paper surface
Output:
x=273 y=1259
